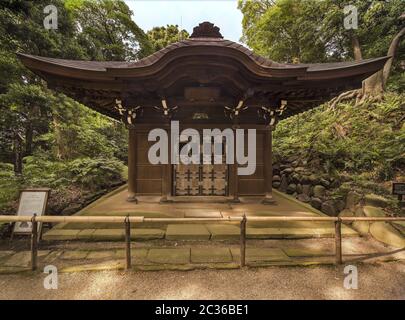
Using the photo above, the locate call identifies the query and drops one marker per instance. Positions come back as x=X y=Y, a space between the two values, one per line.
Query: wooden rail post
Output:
x=243 y=241
x=34 y=243
x=128 y=242
x=338 y=241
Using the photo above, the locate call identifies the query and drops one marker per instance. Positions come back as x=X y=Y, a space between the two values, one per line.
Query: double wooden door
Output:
x=201 y=179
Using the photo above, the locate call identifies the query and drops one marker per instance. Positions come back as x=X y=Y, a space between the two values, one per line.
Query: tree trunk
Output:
x=356 y=48
x=17 y=154
x=391 y=52
x=29 y=131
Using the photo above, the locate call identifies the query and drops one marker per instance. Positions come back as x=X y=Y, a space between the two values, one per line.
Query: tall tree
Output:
x=313 y=31
x=161 y=37
x=107 y=31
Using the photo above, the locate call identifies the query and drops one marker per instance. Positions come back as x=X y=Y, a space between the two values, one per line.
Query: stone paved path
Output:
x=87 y=256
x=115 y=204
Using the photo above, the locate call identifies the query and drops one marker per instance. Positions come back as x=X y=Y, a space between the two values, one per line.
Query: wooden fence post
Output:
x=34 y=243
x=338 y=241
x=243 y=241
x=128 y=242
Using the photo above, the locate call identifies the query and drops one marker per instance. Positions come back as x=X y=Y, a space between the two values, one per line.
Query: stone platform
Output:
x=115 y=204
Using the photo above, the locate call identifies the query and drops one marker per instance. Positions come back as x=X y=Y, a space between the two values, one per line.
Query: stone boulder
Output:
x=319 y=191
x=375 y=200
x=329 y=207
x=352 y=199
x=304 y=198
x=316 y=203
x=324 y=182
x=346 y=213
x=291 y=188
x=283 y=183
x=276 y=184
x=276 y=178
x=299 y=188
x=287 y=170
x=370 y=211
x=387 y=234
x=362 y=227
x=306 y=189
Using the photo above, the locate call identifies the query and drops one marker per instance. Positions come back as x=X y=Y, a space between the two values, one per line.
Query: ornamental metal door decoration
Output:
x=201 y=179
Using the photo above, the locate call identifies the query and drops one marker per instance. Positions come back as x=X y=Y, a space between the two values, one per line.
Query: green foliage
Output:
x=313 y=30
x=366 y=144
x=107 y=30
x=161 y=37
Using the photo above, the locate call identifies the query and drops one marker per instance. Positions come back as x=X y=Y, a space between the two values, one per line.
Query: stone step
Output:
x=196 y=232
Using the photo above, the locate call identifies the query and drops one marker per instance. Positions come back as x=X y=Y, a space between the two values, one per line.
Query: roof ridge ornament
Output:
x=206 y=30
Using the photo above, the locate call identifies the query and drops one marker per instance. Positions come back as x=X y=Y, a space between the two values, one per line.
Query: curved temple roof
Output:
x=228 y=71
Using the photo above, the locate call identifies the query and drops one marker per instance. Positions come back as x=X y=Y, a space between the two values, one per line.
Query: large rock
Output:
x=329 y=207
x=291 y=188
x=319 y=191
x=299 y=188
x=306 y=189
x=362 y=227
x=346 y=213
x=352 y=199
x=387 y=234
x=375 y=200
x=324 y=182
x=340 y=204
x=276 y=184
x=287 y=170
x=313 y=179
x=316 y=203
x=304 y=198
x=276 y=178
x=284 y=183
x=370 y=211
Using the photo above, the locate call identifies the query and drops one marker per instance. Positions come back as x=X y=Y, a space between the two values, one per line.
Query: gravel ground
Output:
x=376 y=281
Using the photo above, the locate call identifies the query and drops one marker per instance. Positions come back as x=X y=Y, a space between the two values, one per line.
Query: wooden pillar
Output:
x=167 y=176
x=234 y=180
x=132 y=165
x=268 y=166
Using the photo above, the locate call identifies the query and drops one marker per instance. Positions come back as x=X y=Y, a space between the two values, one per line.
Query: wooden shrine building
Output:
x=202 y=82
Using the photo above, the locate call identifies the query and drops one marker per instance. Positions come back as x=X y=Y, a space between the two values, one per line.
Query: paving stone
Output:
x=210 y=255
x=74 y=255
x=265 y=254
x=109 y=234
x=101 y=255
x=187 y=232
x=261 y=233
x=61 y=234
x=223 y=231
x=386 y=233
x=85 y=234
x=105 y=266
x=6 y=253
x=147 y=234
x=52 y=256
x=215 y=214
x=19 y=259
x=304 y=252
x=137 y=255
x=169 y=256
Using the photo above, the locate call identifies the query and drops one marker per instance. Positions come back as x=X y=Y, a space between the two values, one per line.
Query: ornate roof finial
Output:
x=206 y=30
